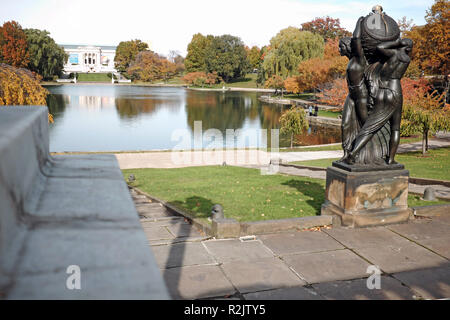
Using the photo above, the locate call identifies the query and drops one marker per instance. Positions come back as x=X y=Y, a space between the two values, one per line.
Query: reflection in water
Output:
x=129 y=108
x=220 y=111
x=318 y=135
x=113 y=118
x=95 y=102
x=57 y=104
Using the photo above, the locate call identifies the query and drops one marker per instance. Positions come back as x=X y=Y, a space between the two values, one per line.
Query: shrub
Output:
x=201 y=78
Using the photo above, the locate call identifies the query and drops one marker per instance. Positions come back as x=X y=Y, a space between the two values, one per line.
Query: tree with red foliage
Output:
x=13 y=45
x=327 y=27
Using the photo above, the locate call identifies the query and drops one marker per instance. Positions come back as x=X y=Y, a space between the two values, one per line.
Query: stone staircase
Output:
x=162 y=226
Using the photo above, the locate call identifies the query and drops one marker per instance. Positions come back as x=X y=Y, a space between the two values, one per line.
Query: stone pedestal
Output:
x=361 y=199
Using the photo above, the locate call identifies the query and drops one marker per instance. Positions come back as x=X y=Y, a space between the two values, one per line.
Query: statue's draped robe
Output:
x=377 y=123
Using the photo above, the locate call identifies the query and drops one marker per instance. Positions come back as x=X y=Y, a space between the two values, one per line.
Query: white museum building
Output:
x=85 y=59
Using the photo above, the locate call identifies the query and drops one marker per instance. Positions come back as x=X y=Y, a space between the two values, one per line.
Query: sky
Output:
x=170 y=24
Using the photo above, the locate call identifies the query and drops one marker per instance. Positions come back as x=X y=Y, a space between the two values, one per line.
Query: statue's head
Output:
x=408 y=44
x=345 y=48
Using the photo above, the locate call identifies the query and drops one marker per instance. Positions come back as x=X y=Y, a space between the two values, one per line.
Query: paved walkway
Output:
x=326 y=264
x=179 y=159
x=443 y=141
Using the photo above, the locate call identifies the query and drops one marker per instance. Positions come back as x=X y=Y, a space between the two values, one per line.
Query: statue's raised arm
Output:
x=356 y=45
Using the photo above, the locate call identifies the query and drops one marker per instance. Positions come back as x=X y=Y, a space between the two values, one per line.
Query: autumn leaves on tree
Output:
x=134 y=60
x=13 y=45
x=32 y=49
x=18 y=85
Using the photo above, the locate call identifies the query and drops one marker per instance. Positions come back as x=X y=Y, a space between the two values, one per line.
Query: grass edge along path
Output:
x=244 y=193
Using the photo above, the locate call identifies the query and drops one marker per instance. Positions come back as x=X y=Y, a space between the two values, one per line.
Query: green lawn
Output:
x=93 y=77
x=302 y=96
x=415 y=201
x=434 y=165
x=249 y=81
x=313 y=148
x=329 y=114
x=245 y=194
x=339 y=147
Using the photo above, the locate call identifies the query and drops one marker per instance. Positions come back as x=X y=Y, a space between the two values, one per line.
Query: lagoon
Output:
x=100 y=117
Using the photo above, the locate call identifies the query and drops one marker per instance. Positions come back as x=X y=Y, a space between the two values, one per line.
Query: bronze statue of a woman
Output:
x=372 y=111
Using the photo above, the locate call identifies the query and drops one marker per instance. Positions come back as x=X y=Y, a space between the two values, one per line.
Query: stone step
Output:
x=153 y=214
x=141 y=201
x=163 y=222
x=150 y=205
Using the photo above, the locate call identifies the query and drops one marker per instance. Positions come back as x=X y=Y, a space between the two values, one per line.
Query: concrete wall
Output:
x=62 y=211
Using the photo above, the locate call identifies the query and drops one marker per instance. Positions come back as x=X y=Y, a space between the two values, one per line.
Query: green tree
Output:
x=46 y=57
x=126 y=52
x=254 y=57
x=293 y=121
x=195 y=58
x=227 y=56
x=288 y=48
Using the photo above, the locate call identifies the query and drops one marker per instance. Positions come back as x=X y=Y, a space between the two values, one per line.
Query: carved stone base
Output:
x=362 y=199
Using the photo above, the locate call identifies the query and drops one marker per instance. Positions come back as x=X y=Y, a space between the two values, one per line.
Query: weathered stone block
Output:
x=226 y=228
x=371 y=198
x=59 y=211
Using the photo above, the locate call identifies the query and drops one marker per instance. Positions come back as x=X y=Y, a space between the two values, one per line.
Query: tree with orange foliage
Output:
x=335 y=93
x=327 y=27
x=20 y=86
x=13 y=45
x=201 y=78
x=432 y=41
x=149 y=66
x=292 y=85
